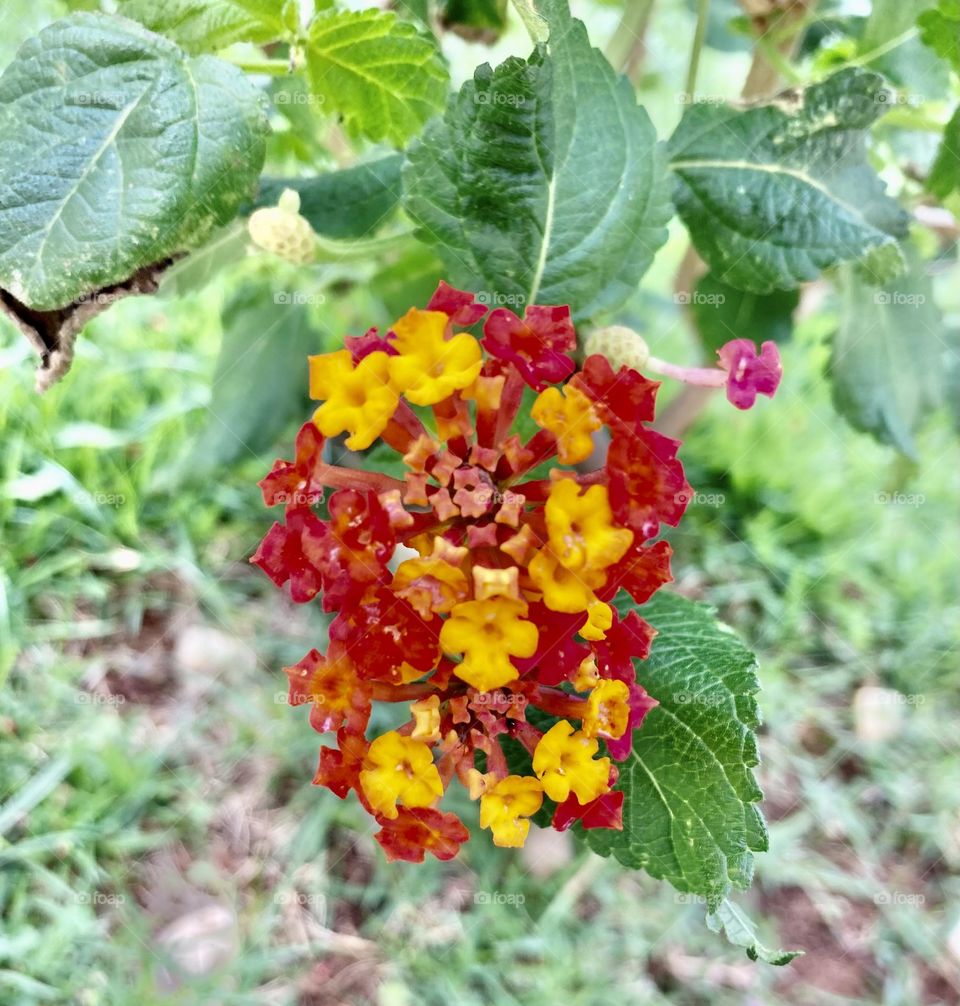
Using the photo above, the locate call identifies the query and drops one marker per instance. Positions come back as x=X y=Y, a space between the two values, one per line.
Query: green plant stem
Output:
x=882 y=50
x=270 y=67
x=343 y=251
x=628 y=36
x=703 y=11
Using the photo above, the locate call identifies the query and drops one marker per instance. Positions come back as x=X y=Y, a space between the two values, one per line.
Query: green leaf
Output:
x=723 y=312
x=741 y=932
x=377 y=71
x=116 y=151
x=775 y=193
x=690 y=814
x=209 y=25
x=944 y=176
x=543 y=181
x=890 y=356
x=260 y=382
x=351 y=203
x=940 y=30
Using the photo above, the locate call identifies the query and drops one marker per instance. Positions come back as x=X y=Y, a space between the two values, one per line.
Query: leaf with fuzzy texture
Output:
x=378 y=72
x=891 y=357
x=116 y=151
x=690 y=812
x=543 y=182
x=773 y=194
x=209 y=25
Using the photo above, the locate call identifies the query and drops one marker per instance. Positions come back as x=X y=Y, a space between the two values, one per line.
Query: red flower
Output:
x=750 y=374
x=536 y=345
x=422 y=829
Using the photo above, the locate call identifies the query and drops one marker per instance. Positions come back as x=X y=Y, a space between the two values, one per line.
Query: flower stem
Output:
x=703 y=11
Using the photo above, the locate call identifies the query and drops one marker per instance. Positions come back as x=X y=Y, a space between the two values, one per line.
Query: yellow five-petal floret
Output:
x=356 y=400
x=563 y=761
x=505 y=807
x=608 y=709
x=583 y=542
x=488 y=633
x=399 y=769
x=571 y=418
x=430 y=366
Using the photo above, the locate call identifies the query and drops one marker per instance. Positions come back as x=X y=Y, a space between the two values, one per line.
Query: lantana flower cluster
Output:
x=475 y=591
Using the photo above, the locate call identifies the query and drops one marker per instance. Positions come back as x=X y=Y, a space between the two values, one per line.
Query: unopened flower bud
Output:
x=282 y=231
x=620 y=345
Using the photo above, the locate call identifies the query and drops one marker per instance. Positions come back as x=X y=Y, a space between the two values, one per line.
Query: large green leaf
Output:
x=690 y=814
x=209 y=25
x=378 y=72
x=350 y=203
x=891 y=356
x=116 y=151
x=543 y=182
x=774 y=193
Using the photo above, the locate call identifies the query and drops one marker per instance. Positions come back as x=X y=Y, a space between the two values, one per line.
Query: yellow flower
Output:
x=580 y=527
x=505 y=807
x=430 y=367
x=563 y=761
x=562 y=589
x=571 y=418
x=430 y=585
x=488 y=633
x=608 y=709
x=399 y=768
x=357 y=400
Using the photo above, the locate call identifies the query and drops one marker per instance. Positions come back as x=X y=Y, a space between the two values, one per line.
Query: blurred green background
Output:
x=159 y=838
